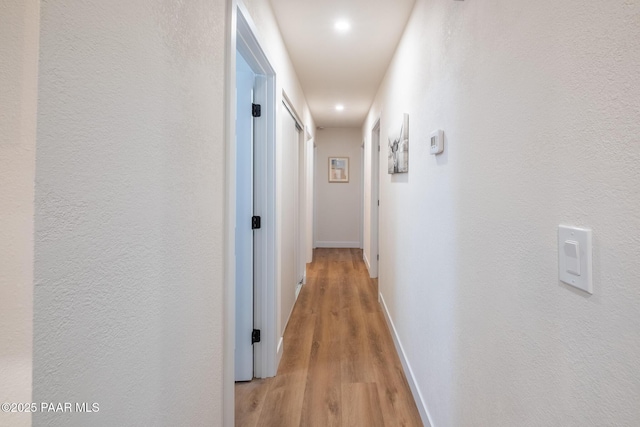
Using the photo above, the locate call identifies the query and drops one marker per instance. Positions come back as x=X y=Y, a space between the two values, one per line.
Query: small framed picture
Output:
x=338 y=169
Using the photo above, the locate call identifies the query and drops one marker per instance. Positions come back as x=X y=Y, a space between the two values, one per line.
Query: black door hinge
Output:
x=255 y=336
x=255 y=222
x=256 y=110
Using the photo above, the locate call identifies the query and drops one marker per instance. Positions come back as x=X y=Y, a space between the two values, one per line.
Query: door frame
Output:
x=309 y=192
x=301 y=196
x=375 y=197
x=246 y=353
x=243 y=37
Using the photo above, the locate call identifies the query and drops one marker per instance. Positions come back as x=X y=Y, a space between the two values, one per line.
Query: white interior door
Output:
x=245 y=81
x=301 y=256
x=309 y=173
x=290 y=214
x=265 y=297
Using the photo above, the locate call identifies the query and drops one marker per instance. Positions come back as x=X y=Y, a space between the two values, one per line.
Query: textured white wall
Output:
x=539 y=102
x=129 y=201
x=18 y=101
x=338 y=209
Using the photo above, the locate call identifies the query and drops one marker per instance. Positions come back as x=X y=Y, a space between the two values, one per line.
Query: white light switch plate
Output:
x=574 y=257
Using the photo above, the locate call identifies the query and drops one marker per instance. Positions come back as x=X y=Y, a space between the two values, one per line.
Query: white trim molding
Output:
x=279 y=350
x=354 y=244
x=265 y=313
x=243 y=38
x=366 y=262
x=408 y=372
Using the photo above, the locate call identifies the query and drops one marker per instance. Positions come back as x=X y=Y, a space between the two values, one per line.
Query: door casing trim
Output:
x=243 y=37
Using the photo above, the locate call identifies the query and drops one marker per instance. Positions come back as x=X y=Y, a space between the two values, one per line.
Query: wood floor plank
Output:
x=252 y=394
x=339 y=365
x=396 y=400
x=356 y=361
x=361 y=405
x=283 y=404
x=322 y=396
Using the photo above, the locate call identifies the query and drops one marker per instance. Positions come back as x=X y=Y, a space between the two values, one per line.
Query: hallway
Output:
x=119 y=184
x=339 y=366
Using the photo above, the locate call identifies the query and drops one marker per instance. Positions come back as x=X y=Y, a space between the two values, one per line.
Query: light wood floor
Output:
x=339 y=366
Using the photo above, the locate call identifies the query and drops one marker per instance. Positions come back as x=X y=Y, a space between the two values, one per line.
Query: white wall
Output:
x=270 y=39
x=539 y=103
x=129 y=212
x=18 y=101
x=338 y=209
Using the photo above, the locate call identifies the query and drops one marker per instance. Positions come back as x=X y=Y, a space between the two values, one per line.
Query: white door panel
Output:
x=290 y=213
x=245 y=79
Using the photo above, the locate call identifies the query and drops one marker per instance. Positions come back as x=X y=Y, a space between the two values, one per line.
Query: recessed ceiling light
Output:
x=339 y=107
x=342 y=26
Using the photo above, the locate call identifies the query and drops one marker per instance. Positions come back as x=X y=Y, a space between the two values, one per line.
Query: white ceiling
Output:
x=341 y=68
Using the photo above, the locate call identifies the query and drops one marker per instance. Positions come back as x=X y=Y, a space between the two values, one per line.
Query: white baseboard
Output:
x=366 y=262
x=279 y=351
x=328 y=244
x=408 y=372
x=280 y=342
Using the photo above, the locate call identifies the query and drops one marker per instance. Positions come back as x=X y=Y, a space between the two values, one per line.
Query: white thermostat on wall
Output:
x=437 y=142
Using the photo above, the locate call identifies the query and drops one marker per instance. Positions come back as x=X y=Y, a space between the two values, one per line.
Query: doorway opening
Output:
x=251 y=217
x=294 y=212
x=375 y=200
x=246 y=222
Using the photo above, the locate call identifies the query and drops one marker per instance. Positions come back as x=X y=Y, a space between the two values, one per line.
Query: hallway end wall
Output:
x=539 y=105
x=338 y=209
